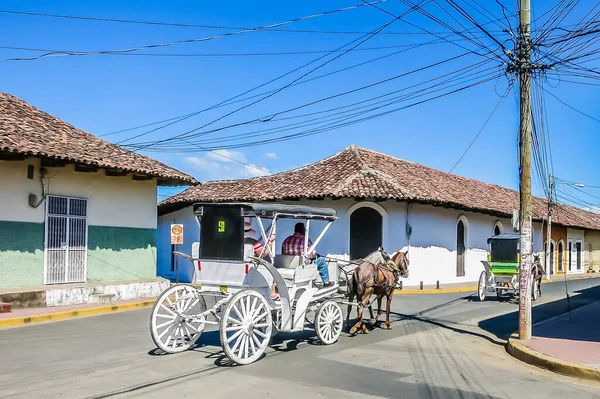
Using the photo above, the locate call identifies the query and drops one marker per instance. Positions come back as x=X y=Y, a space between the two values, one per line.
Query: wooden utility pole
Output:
x=548 y=265
x=525 y=126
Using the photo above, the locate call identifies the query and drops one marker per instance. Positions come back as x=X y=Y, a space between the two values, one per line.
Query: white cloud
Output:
x=254 y=171
x=219 y=168
x=595 y=209
x=271 y=155
x=227 y=156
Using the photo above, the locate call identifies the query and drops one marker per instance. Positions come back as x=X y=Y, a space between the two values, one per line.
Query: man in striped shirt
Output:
x=294 y=245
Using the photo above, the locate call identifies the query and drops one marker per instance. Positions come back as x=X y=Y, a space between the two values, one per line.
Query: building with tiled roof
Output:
x=385 y=200
x=75 y=208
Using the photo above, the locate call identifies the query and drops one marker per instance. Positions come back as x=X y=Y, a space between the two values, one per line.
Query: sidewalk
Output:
x=561 y=277
x=570 y=347
x=20 y=317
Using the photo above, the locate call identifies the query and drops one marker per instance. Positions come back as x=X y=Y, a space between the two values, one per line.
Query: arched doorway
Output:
x=550 y=262
x=561 y=252
x=366 y=227
x=460 y=249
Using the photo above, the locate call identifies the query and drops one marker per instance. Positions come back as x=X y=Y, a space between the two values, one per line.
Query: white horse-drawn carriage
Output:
x=237 y=284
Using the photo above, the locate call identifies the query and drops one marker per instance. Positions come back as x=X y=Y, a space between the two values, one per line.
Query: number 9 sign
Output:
x=221 y=226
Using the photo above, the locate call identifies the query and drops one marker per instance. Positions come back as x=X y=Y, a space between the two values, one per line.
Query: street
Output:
x=441 y=346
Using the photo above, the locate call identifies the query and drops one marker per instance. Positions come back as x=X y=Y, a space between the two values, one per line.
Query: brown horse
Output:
x=379 y=279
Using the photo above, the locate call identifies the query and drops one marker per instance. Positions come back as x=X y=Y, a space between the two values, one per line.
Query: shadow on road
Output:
x=505 y=325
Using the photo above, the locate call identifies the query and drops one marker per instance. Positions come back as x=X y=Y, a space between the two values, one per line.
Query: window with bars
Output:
x=66 y=240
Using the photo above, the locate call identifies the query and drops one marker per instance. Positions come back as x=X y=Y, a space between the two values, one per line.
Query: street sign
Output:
x=176 y=234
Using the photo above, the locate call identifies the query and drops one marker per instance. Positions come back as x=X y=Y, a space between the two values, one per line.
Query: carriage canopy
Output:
x=222 y=224
x=504 y=248
x=271 y=210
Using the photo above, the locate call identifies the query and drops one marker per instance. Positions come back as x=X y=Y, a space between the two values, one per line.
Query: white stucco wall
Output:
x=432 y=252
x=163 y=243
x=112 y=201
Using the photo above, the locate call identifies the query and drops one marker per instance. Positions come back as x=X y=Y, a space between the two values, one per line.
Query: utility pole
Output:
x=549 y=253
x=525 y=126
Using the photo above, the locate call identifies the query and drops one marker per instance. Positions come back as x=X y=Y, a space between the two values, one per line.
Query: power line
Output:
x=266 y=54
x=198 y=40
x=129 y=21
x=421 y=92
x=231 y=100
x=222 y=27
x=344 y=124
x=362 y=40
x=573 y=108
x=270 y=117
x=267 y=94
x=478 y=133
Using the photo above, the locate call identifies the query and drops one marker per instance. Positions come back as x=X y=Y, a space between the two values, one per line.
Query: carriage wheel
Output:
x=535 y=293
x=246 y=327
x=171 y=324
x=328 y=322
x=482 y=286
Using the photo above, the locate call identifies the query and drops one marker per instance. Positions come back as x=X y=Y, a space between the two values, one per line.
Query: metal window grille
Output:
x=66 y=240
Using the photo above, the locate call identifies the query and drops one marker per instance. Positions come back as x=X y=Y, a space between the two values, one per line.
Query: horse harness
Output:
x=389 y=266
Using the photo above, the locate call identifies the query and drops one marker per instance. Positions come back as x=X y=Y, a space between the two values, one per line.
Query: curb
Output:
x=55 y=316
x=528 y=355
x=444 y=290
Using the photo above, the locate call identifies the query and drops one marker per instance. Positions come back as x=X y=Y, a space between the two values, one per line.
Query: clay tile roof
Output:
x=28 y=131
x=361 y=173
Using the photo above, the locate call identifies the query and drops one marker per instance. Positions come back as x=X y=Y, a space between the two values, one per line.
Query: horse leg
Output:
x=365 y=301
x=387 y=309
x=379 y=308
x=350 y=300
x=359 y=313
x=372 y=320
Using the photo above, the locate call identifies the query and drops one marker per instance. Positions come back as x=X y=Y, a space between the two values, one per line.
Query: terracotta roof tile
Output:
x=29 y=131
x=358 y=172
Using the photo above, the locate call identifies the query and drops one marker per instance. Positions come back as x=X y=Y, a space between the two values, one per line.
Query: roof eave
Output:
x=162 y=179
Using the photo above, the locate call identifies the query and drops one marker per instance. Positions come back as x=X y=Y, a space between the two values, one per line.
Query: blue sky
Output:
x=106 y=93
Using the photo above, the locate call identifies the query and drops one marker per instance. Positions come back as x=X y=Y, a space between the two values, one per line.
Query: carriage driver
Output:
x=294 y=245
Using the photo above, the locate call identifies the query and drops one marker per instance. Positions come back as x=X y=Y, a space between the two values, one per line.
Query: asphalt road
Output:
x=441 y=346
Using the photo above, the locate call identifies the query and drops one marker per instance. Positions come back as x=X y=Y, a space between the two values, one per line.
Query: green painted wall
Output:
x=114 y=254
x=21 y=254
x=121 y=253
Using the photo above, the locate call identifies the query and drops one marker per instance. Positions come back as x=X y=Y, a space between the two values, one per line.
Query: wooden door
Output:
x=365 y=232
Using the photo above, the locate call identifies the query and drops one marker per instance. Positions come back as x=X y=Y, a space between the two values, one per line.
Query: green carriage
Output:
x=501 y=274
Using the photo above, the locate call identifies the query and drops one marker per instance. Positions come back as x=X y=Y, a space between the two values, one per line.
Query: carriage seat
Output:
x=287 y=264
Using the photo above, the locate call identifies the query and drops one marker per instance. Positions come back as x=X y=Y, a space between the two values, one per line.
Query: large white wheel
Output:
x=172 y=326
x=246 y=326
x=329 y=322
x=481 y=288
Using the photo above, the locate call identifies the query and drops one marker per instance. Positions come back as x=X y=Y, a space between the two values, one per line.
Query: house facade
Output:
x=443 y=220
x=592 y=252
x=75 y=209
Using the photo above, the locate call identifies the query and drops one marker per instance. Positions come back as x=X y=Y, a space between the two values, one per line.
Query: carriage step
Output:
x=5 y=308
x=102 y=298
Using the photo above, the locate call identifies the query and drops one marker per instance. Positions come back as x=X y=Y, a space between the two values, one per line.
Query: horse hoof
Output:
x=388 y=325
x=353 y=330
x=365 y=329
